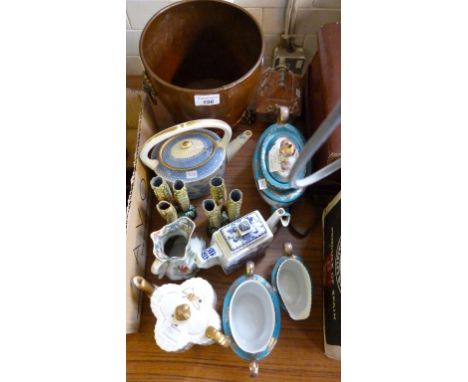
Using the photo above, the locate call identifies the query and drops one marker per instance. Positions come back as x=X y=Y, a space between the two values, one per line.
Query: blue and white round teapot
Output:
x=192 y=153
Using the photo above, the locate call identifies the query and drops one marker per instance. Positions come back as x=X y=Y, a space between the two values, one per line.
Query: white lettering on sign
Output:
x=207 y=100
x=191 y=174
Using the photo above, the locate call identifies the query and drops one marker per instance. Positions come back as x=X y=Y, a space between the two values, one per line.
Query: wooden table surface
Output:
x=298 y=354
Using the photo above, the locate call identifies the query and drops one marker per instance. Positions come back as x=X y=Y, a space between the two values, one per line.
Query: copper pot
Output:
x=203 y=59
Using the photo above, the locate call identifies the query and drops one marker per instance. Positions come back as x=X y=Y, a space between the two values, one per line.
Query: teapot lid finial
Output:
x=182 y=312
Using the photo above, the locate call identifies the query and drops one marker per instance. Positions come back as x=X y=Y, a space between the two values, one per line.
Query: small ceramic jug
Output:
x=175 y=248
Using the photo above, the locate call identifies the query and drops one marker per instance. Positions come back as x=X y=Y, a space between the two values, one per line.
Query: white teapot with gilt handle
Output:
x=183 y=312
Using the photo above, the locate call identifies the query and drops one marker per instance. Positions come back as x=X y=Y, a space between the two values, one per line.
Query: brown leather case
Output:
x=323 y=90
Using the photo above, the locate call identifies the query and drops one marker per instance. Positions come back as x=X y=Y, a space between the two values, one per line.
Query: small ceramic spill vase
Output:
x=218 y=190
x=234 y=204
x=181 y=195
x=161 y=189
x=182 y=198
x=213 y=213
x=167 y=211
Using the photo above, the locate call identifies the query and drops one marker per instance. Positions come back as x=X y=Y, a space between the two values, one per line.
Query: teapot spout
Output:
x=209 y=256
x=237 y=143
x=279 y=216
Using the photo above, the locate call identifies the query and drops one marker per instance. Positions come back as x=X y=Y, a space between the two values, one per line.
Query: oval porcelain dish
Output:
x=291 y=280
x=275 y=153
x=251 y=317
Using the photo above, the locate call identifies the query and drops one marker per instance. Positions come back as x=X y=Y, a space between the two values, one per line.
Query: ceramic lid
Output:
x=292 y=282
x=187 y=151
x=192 y=155
x=275 y=153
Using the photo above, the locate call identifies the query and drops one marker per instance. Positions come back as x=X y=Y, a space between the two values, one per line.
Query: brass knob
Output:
x=253 y=368
x=283 y=114
x=182 y=312
x=214 y=334
x=288 y=248
x=250 y=268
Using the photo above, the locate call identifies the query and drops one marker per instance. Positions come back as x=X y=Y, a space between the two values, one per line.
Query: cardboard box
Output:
x=140 y=126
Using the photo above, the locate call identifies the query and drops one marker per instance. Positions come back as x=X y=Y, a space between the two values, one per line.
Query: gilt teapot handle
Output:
x=183 y=128
x=142 y=284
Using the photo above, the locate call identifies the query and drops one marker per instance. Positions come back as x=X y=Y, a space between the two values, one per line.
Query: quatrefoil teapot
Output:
x=183 y=312
x=191 y=152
